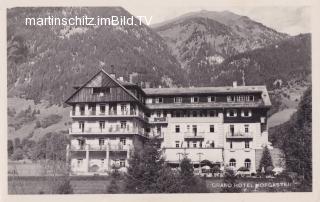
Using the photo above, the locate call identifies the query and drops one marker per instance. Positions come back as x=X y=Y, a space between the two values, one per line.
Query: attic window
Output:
x=101 y=90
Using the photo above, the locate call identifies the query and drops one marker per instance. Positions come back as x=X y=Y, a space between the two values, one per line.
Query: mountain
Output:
x=202 y=40
x=45 y=62
x=285 y=67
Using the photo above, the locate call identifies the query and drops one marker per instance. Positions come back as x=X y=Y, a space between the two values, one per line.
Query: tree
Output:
x=143 y=170
x=230 y=181
x=189 y=182
x=17 y=154
x=298 y=145
x=114 y=188
x=266 y=161
x=10 y=148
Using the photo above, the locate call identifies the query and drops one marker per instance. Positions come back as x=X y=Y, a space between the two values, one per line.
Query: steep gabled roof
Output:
x=117 y=83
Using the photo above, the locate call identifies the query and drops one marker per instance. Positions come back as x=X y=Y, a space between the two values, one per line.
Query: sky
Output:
x=293 y=19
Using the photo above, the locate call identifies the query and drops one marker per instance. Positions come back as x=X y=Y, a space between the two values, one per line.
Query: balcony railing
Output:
x=159 y=120
x=109 y=130
x=239 y=135
x=194 y=135
x=104 y=147
x=109 y=113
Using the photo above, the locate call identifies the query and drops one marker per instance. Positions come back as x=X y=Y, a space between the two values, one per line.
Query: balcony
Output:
x=110 y=113
x=158 y=120
x=110 y=147
x=109 y=130
x=239 y=135
x=194 y=135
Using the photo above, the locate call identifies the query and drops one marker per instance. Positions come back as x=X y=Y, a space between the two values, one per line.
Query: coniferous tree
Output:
x=114 y=188
x=266 y=161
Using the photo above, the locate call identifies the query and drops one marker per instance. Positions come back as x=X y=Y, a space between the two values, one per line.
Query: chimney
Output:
x=113 y=75
x=132 y=76
x=120 y=78
x=235 y=84
x=147 y=83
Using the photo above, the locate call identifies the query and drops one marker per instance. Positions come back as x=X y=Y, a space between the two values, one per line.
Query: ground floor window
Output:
x=123 y=141
x=79 y=162
x=247 y=163
x=232 y=162
x=122 y=163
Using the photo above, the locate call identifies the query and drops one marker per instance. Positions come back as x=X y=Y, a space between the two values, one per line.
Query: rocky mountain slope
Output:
x=45 y=62
x=202 y=40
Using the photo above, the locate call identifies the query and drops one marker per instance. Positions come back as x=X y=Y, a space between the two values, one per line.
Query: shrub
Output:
x=65 y=187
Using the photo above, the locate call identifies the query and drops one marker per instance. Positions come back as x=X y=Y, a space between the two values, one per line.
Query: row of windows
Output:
x=194 y=128
x=247 y=163
x=193 y=144
x=196 y=99
x=121 y=162
x=246 y=144
x=205 y=113
x=82 y=142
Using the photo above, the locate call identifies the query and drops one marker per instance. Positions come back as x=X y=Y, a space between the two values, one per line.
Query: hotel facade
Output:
x=112 y=118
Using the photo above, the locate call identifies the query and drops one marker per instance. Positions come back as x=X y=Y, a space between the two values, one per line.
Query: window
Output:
x=247 y=163
x=232 y=163
x=211 y=99
x=177 y=129
x=231 y=145
x=123 y=124
x=101 y=141
x=194 y=143
x=123 y=141
x=100 y=90
x=200 y=145
x=73 y=110
x=82 y=110
x=102 y=161
x=79 y=162
x=212 y=144
x=178 y=99
x=230 y=99
x=211 y=128
x=102 y=109
x=240 y=98
x=232 y=129
x=81 y=126
x=246 y=113
x=177 y=144
x=122 y=163
x=194 y=99
x=246 y=128
x=249 y=98
x=188 y=144
x=213 y=113
x=246 y=144
x=231 y=113
x=194 y=113
x=178 y=113
x=159 y=100
x=194 y=130
x=158 y=114
x=123 y=108
x=149 y=101
x=102 y=125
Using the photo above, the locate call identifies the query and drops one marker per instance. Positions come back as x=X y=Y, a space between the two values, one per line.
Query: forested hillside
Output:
x=45 y=62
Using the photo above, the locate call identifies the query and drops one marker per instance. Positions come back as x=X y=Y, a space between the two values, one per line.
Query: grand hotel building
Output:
x=112 y=117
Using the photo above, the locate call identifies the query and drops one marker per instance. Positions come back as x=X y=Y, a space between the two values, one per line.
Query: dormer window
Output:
x=211 y=98
x=177 y=99
x=159 y=100
x=101 y=91
x=230 y=99
x=231 y=113
x=194 y=99
x=246 y=113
